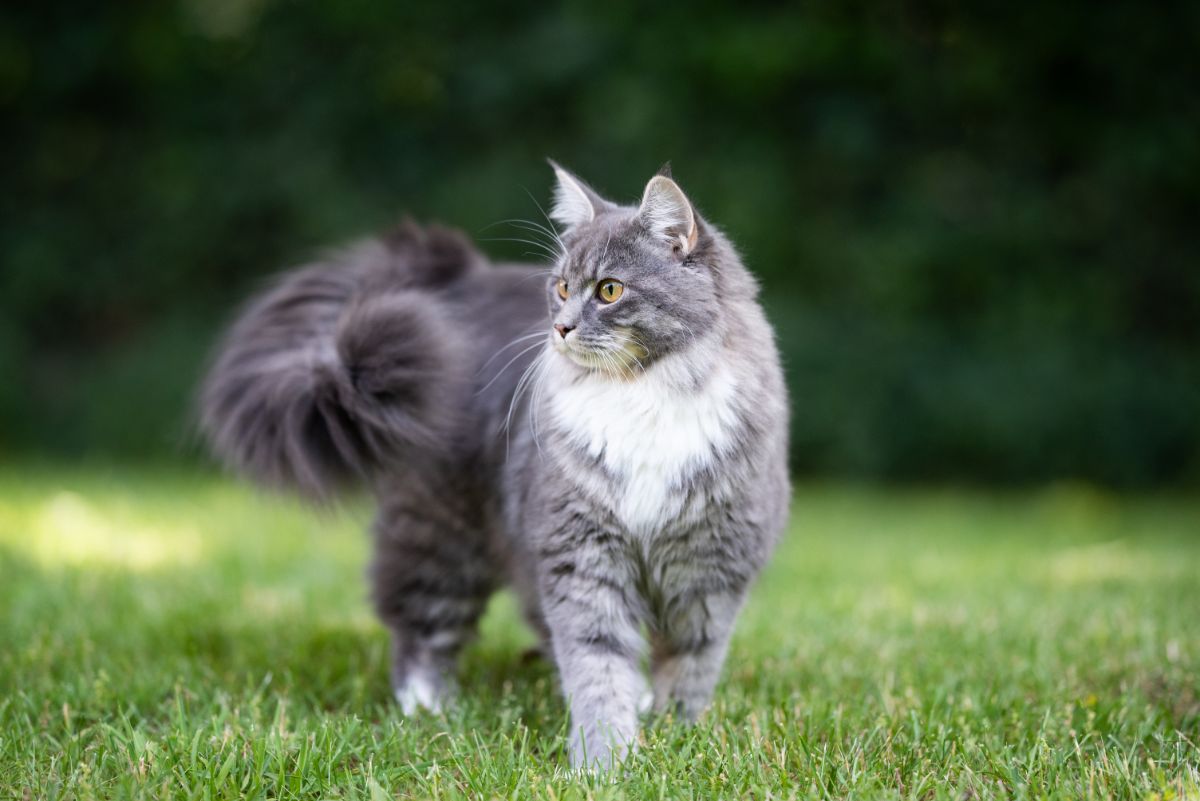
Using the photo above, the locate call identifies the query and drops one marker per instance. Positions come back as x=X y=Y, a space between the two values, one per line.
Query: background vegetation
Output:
x=975 y=223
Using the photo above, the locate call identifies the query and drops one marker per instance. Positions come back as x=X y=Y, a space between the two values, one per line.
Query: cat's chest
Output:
x=651 y=439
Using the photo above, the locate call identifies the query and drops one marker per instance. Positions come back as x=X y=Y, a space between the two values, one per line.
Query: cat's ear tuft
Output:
x=574 y=203
x=668 y=214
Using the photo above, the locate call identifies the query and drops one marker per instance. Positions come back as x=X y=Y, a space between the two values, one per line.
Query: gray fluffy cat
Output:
x=611 y=445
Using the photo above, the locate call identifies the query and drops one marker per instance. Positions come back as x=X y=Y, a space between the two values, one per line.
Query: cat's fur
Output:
x=624 y=473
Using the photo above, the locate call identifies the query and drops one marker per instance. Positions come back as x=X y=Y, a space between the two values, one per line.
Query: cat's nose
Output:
x=563 y=330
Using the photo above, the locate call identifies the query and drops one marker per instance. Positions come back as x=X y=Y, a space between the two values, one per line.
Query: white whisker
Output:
x=552 y=239
x=538 y=274
x=496 y=355
x=535 y=404
x=507 y=364
x=549 y=222
x=537 y=228
x=545 y=249
x=534 y=367
x=626 y=352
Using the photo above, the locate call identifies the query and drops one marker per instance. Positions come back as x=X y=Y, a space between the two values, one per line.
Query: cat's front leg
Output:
x=596 y=637
x=689 y=651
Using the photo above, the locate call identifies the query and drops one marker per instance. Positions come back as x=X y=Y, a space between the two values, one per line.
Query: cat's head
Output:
x=633 y=283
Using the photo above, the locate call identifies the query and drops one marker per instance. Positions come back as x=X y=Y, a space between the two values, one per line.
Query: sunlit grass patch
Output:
x=68 y=529
x=170 y=634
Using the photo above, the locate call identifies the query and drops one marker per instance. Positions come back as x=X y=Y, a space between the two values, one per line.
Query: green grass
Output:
x=169 y=634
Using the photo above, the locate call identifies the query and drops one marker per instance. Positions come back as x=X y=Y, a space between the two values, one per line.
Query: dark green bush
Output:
x=976 y=224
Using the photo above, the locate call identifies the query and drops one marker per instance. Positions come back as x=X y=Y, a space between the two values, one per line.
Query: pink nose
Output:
x=563 y=330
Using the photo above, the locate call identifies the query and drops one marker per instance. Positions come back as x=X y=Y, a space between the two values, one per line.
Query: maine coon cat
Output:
x=606 y=435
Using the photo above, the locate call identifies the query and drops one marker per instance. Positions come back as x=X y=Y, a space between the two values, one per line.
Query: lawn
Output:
x=166 y=633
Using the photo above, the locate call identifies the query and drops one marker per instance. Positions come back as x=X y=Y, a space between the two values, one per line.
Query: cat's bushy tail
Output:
x=344 y=366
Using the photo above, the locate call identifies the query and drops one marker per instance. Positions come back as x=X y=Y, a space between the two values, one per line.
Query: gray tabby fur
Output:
x=627 y=478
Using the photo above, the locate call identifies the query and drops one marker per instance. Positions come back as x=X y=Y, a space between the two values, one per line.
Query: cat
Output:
x=607 y=435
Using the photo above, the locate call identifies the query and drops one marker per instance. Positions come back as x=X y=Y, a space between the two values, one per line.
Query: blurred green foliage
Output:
x=976 y=224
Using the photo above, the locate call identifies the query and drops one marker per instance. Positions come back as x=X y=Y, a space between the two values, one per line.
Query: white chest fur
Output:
x=651 y=435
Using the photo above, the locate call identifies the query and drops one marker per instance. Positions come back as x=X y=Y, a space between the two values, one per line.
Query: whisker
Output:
x=549 y=222
x=536 y=227
x=691 y=334
x=623 y=338
x=496 y=355
x=550 y=241
x=516 y=395
x=508 y=364
x=535 y=366
x=535 y=404
x=532 y=226
x=522 y=385
x=536 y=242
x=545 y=248
x=619 y=367
x=537 y=274
x=607 y=360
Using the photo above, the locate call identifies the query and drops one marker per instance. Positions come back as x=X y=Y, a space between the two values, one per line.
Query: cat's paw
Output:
x=645 y=704
x=422 y=692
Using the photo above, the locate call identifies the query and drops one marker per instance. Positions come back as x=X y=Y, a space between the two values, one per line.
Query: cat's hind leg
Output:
x=430 y=581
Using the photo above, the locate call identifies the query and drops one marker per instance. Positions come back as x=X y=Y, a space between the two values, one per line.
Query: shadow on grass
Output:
x=103 y=637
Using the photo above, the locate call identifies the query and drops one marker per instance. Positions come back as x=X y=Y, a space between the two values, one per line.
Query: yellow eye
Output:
x=562 y=289
x=610 y=289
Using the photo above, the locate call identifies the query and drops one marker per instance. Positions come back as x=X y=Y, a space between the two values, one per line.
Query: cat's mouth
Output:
x=624 y=359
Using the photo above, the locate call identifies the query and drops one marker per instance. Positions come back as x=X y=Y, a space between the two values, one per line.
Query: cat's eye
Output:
x=562 y=289
x=609 y=290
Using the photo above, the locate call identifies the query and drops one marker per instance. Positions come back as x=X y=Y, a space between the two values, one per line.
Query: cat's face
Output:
x=630 y=287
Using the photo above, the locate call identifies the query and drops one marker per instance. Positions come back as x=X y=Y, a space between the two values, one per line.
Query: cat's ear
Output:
x=668 y=214
x=575 y=203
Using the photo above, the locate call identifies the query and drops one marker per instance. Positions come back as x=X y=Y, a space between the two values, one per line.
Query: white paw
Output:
x=420 y=691
x=645 y=703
